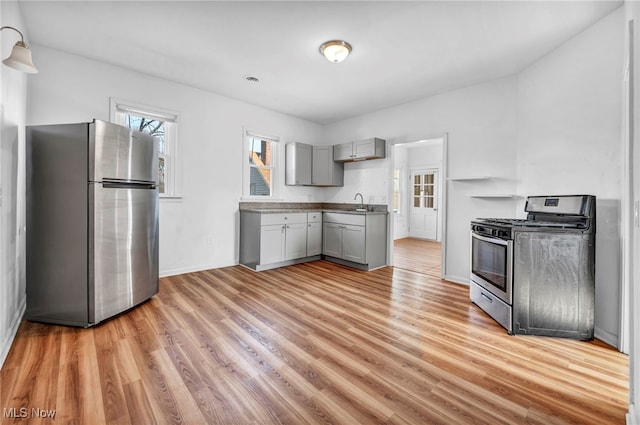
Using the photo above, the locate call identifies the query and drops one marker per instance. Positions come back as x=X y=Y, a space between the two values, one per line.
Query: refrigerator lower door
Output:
x=123 y=248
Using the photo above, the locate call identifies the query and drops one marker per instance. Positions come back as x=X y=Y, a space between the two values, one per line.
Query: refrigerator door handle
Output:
x=121 y=185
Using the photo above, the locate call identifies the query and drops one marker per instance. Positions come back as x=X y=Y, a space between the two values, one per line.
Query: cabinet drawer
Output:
x=314 y=217
x=353 y=219
x=267 y=219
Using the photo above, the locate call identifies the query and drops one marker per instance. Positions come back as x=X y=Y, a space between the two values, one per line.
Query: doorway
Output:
x=417 y=174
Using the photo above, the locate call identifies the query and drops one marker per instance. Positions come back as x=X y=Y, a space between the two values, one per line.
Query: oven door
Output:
x=492 y=265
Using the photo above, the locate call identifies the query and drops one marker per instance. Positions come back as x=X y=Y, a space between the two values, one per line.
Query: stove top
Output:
x=509 y=222
x=568 y=213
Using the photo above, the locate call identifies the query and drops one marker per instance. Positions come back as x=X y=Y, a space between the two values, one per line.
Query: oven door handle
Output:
x=490 y=240
x=486 y=297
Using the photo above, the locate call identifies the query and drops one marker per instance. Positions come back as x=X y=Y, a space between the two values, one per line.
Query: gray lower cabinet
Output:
x=344 y=241
x=270 y=240
x=353 y=244
x=332 y=239
x=355 y=240
x=314 y=233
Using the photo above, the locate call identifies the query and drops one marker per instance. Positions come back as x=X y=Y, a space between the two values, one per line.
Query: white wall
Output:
x=13 y=91
x=569 y=139
x=199 y=231
x=480 y=122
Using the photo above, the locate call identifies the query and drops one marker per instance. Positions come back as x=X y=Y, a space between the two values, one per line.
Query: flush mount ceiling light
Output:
x=335 y=50
x=20 y=57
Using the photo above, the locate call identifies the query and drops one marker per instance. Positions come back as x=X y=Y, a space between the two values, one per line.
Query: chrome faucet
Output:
x=361 y=199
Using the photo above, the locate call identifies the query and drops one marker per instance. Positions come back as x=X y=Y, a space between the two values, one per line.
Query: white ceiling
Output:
x=402 y=51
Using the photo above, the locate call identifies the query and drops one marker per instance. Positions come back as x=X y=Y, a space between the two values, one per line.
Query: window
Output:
x=162 y=125
x=424 y=190
x=260 y=166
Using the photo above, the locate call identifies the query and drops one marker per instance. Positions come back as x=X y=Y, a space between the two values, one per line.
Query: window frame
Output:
x=246 y=166
x=118 y=109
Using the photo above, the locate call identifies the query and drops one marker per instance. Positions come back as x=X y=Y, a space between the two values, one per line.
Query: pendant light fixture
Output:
x=335 y=50
x=20 y=57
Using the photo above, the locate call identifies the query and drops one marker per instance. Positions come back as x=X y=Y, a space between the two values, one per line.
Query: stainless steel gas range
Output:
x=536 y=276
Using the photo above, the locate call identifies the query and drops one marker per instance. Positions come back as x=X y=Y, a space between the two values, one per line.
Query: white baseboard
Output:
x=606 y=337
x=633 y=417
x=173 y=272
x=456 y=279
x=13 y=329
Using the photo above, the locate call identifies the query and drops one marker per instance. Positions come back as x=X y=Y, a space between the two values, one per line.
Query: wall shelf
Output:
x=468 y=178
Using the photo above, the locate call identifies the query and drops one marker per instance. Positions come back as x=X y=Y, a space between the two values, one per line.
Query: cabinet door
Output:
x=296 y=241
x=364 y=148
x=369 y=149
x=272 y=243
x=314 y=239
x=298 y=164
x=343 y=152
x=353 y=244
x=332 y=239
x=320 y=171
x=325 y=171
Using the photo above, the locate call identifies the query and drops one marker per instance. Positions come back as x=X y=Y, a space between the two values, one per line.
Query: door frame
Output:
x=443 y=195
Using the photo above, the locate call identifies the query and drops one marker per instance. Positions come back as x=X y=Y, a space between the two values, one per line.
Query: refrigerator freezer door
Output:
x=123 y=268
x=116 y=152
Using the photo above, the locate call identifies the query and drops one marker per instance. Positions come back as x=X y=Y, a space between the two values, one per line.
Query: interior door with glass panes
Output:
x=423 y=217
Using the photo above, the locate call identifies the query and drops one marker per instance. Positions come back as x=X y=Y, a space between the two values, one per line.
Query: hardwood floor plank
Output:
x=140 y=408
x=314 y=343
x=419 y=255
x=91 y=401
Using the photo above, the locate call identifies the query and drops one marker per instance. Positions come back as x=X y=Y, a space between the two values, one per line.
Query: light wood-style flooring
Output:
x=315 y=343
x=418 y=255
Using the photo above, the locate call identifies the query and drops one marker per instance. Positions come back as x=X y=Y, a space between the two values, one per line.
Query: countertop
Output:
x=304 y=207
x=304 y=210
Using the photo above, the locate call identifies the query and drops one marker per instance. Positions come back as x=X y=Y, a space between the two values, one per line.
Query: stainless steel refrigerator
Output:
x=92 y=221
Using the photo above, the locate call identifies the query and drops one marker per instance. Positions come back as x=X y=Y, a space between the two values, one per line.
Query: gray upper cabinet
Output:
x=360 y=150
x=308 y=165
x=298 y=164
x=325 y=171
x=343 y=152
